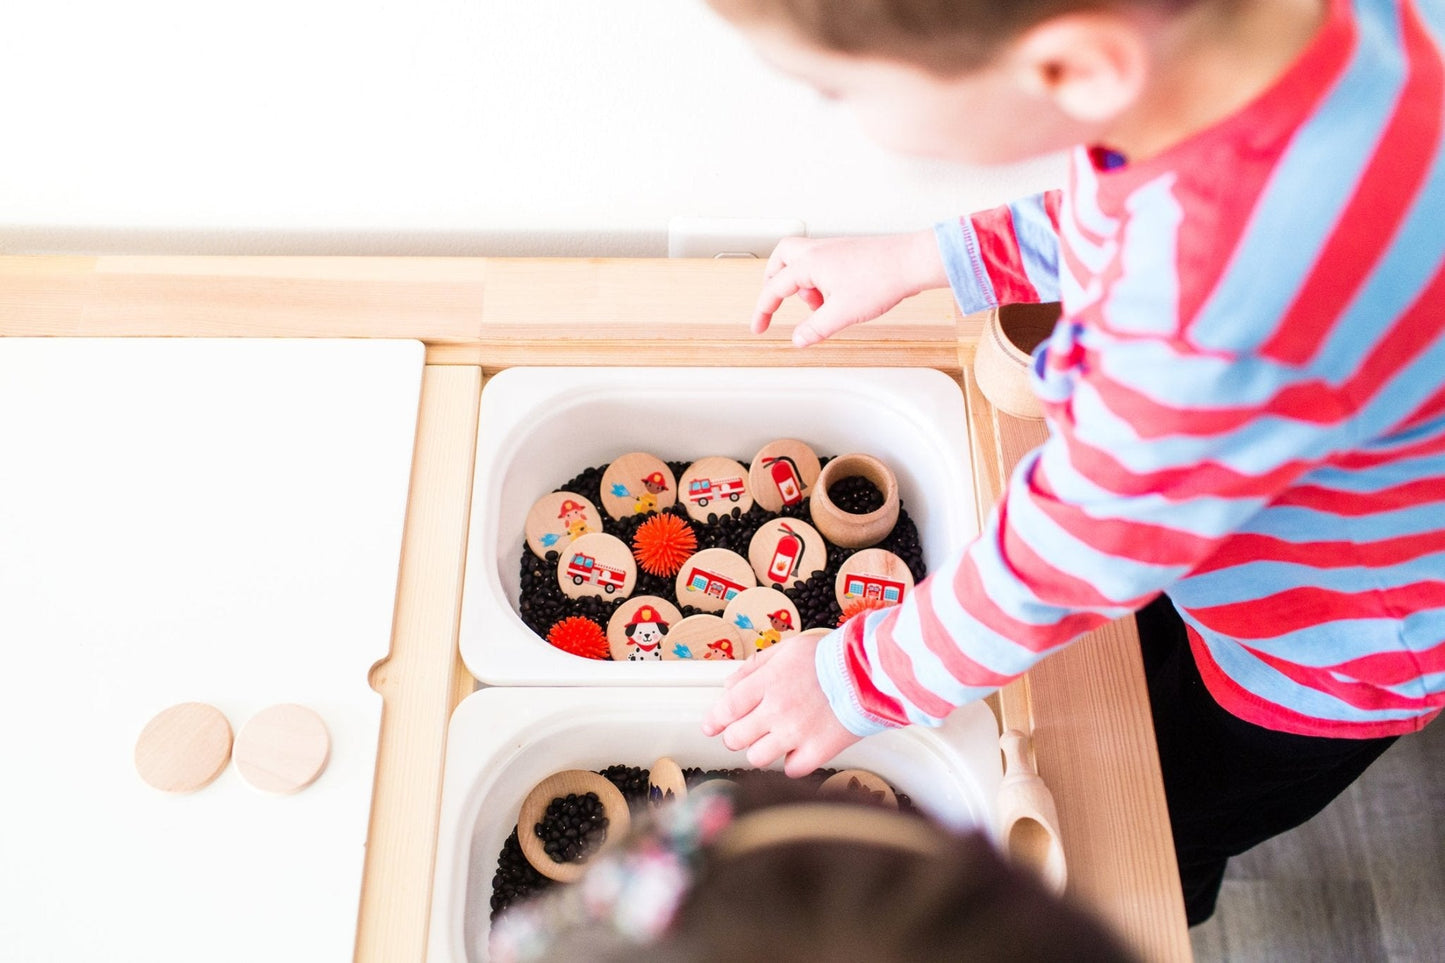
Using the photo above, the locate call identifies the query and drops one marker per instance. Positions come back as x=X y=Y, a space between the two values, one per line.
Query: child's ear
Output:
x=1092 y=66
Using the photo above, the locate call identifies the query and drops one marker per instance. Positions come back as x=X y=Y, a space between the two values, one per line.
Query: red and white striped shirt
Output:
x=1246 y=397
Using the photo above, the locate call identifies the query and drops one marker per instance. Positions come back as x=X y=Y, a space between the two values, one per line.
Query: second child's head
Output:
x=981 y=81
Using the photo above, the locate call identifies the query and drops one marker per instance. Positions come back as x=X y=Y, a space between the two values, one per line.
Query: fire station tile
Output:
x=712 y=578
x=873 y=573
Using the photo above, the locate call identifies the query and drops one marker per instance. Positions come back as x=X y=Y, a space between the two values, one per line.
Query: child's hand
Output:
x=847 y=280
x=773 y=707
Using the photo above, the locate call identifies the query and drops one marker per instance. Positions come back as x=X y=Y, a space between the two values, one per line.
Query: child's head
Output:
x=968 y=79
x=768 y=872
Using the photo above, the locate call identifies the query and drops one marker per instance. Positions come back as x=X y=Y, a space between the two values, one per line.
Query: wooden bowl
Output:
x=1005 y=356
x=578 y=781
x=844 y=528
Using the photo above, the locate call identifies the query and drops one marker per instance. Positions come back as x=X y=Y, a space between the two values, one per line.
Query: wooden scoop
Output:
x=1028 y=821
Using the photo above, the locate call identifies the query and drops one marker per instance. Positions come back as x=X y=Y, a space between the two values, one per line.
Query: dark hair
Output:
x=944 y=36
x=813 y=901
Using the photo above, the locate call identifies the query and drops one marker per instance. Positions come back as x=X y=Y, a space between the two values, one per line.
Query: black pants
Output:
x=1229 y=784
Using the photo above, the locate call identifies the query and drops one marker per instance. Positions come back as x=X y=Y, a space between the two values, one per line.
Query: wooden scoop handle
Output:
x=1028 y=820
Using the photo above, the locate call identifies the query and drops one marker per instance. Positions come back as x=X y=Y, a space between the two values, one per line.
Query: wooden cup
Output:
x=1028 y=820
x=844 y=528
x=1005 y=355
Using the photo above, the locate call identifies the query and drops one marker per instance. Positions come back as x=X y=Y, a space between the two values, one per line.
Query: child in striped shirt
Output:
x=1244 y=393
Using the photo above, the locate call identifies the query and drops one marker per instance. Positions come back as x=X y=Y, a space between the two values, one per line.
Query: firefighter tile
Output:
x=874 y=575
x=714 y=486
x=712 y=578
x=637 y=484
x=763 y=616
x=641 y=628
x=557 y=519
x=597 y=564
x=786 y=551
x=709 y=638
x=783 y=473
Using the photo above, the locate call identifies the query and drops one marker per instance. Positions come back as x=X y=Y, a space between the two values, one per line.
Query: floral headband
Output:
x=632 y=892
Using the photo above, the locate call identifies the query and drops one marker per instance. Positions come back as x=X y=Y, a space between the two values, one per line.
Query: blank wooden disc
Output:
x=283 y=749
x=557 y=786
x=665 y=782
x=859 y=784
x=183 y=748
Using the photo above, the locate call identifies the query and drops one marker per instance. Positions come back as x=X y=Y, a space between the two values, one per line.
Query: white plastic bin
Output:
x=503 y=741
x=541 y=426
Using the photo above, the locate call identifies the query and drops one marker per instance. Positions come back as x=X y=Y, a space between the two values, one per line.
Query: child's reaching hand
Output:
x=774 y=708
x=847 y=280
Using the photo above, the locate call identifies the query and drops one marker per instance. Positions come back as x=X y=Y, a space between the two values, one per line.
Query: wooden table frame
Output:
x=1086 y=707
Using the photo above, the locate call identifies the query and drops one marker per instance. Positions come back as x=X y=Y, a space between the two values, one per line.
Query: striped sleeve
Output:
x=1159 y=453
x=1007 y=255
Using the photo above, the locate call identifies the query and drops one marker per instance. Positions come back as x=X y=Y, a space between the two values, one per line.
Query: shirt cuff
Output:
x=831 y=665
x=967 y=275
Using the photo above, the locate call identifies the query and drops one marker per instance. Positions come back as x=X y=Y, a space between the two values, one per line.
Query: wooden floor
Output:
x=1363 y=881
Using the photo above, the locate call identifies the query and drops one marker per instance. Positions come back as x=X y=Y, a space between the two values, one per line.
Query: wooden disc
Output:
x=283 y=749
x=714 y=486
x=558 y=786
x=786 y=551
x=763 y=616
x=783 y=473
x=597 y=564
x=184 y=748
x=874 y=573
x=712 y=578
x=665 y=783
x=651 y=620
x=556 y=519
x=705 y=637
x=637 y=484
x=859 y=784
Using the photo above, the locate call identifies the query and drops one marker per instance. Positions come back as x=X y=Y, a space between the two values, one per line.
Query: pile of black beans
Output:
x=516 y=879
x=572 y=827
x=542 y=603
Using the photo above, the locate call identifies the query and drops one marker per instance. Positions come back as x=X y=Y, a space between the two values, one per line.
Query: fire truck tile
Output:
x=641 y=629
x=714 y=486
x=705 y=637
x=597 y=564
x=712 y=578
x=873 y=573
x=637 y=484
x=763 y=616
x=783 y=473
x=786 y=552
x=557 y=519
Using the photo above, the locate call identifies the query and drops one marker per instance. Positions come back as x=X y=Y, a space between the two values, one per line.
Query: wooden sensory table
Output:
x=1085 y=707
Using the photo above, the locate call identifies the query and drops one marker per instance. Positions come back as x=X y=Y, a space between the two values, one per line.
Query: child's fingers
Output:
x=732 y=705
x=812 y=297
x=785 y=249
x=827 y=320
x=746 y=731
x=749 y=666
x=776 y=290
x=803 y=760
x=767 y=750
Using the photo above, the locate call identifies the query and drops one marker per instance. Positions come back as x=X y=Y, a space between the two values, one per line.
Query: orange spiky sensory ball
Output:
x=580 y=636
x=860 y=605
x=663 y=543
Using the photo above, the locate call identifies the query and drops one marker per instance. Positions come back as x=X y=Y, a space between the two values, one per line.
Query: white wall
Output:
x=424 y=127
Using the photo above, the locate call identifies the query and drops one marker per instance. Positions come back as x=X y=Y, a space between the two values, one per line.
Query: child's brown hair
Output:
x=946 y=37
